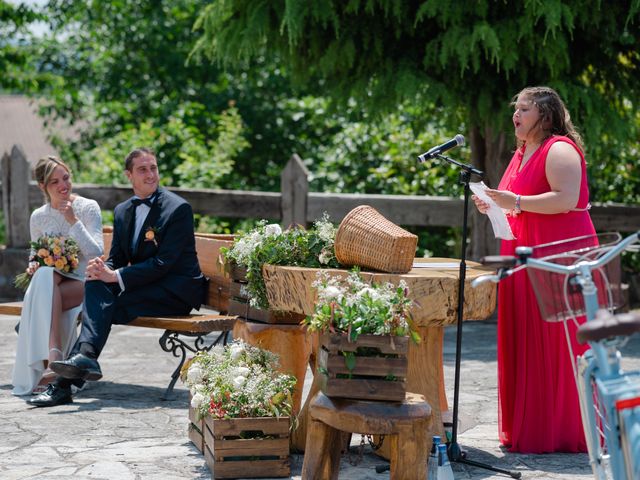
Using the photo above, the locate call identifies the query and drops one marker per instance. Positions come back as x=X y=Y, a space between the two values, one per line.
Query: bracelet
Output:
x=516 y=209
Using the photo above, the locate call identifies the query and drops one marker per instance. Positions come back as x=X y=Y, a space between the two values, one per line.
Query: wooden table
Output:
x=434 y=290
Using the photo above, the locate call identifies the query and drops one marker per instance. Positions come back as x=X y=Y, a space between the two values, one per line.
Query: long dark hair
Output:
x=554 y=116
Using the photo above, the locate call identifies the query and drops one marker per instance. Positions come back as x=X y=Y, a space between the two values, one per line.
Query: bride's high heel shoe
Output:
x=48 y=376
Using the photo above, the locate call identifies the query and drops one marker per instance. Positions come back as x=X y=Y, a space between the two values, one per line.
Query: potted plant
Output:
x=269 y=244
x=364 y=337
x=244 y=406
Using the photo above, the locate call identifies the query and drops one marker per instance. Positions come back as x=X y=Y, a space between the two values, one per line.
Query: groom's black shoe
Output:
x=52 y=396
x=78 y=366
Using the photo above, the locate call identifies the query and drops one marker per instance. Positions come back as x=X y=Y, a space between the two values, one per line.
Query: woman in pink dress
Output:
x=545 y=188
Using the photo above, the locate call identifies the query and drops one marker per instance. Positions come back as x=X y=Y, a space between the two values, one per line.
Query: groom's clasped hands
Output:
x=98 y=270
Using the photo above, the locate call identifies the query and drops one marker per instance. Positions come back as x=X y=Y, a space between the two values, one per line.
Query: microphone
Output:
x=456 y=141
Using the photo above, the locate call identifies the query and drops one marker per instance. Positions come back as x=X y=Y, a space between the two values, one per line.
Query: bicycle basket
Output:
x=558 y=295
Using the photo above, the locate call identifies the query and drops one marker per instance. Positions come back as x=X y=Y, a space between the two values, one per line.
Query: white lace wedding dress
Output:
x=35 y=323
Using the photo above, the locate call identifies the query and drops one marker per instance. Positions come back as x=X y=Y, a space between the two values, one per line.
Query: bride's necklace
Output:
x=57 y=218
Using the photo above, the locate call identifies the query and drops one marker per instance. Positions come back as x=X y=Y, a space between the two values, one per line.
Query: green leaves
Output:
x=355 y=307
x=470 y=56
x=267 y=244
x=349 y=360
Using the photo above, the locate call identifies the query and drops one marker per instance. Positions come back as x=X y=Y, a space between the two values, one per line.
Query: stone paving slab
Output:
x=119 y=428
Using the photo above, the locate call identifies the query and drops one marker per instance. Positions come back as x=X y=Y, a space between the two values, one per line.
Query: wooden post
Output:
x=15 y=197
x=294 y=185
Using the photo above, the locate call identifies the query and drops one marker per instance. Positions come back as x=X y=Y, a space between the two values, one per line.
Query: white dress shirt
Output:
x=141 y=213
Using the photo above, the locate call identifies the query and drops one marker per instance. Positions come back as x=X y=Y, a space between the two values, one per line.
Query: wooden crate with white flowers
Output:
x=247 y=447
x=239 y=302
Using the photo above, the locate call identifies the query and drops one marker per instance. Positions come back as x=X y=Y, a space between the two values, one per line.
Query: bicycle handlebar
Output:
x=549 y=266
x=590 y=264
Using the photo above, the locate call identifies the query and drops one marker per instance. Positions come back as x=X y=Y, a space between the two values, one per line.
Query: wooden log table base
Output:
x=434 y=291
x=404 y=424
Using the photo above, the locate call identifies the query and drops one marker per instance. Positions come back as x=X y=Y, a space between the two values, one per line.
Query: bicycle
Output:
x=581 y=277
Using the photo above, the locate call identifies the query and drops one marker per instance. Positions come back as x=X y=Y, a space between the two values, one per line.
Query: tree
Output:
x=470 y=56
x=18 y=74
x=123 y=71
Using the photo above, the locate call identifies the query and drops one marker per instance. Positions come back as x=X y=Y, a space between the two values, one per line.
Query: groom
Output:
x=152 y=270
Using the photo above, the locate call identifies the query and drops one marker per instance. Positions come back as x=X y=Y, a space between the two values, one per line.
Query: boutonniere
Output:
x=150 y=235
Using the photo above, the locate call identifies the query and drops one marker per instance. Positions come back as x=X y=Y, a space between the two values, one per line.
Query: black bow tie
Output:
x=139 y=201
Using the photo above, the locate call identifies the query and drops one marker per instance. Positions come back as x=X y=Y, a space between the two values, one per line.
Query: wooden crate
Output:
x=239 y=302
x=236 y=272
x=265 y=455
x=241 y=307
x=196 y=430
x=369 y=376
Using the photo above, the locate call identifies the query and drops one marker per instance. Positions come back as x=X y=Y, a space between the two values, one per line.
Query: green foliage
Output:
x=18 y=73
x=185 y=158
x=354 y=307
x=122 y=73
x=377 y=82
x=220 y=154
x=379 y=156
x=613 y=171
x=470 y=56
x=268 y=244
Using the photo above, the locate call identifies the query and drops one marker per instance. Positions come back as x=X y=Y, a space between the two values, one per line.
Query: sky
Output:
x=37 y=28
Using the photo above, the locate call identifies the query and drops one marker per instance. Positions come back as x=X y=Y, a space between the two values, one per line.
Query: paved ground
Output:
x=119 y=428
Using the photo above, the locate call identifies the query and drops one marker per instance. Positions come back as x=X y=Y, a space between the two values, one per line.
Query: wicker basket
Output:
x=367 y=239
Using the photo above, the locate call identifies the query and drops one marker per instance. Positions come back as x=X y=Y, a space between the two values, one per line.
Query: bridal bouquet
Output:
x=58 y=252
x=238 y=381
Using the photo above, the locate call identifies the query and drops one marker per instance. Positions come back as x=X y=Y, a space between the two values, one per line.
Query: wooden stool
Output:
x=405 y=424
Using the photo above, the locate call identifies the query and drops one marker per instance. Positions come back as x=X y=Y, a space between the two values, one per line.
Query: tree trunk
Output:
x=490 y=152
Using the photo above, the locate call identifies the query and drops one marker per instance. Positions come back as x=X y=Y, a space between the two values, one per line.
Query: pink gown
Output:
x=538 y=408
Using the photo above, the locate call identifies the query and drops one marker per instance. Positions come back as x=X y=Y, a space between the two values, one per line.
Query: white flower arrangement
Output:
x=355 y=307
x=238 y=381
x=267 y=243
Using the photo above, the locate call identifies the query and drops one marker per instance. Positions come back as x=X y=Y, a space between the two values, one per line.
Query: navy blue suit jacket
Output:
x=171 y=260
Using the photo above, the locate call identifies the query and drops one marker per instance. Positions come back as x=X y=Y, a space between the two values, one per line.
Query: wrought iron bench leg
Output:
x=171 y=342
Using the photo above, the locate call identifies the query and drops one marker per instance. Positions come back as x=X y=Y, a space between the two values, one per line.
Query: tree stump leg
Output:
x=408 y=452
x=299 y=435
x=425 y=376
x=322 y=462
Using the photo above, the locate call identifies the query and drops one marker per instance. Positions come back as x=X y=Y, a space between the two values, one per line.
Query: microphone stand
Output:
x=455 y=452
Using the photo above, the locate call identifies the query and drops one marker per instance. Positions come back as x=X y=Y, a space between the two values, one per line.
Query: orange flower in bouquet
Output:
x=58 y=252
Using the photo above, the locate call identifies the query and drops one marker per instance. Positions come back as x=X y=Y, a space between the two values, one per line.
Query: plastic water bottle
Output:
x=444 y=467
x=432 y=468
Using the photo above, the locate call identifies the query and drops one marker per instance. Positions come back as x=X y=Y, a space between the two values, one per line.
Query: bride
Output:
x=53 y=300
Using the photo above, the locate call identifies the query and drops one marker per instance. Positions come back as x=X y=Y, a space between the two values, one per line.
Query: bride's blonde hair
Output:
x=44 y=169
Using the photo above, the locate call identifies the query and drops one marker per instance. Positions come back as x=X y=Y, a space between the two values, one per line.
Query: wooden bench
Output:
x=184 y=333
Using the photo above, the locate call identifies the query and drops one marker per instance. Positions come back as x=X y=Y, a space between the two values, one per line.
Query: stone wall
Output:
x=12 y=262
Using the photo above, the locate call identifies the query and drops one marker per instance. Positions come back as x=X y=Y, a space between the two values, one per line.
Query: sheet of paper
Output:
x=436 y=265
x=499 y=222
